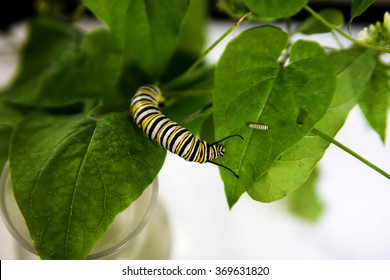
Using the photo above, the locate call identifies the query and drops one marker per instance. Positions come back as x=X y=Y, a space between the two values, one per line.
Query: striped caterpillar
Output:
x=258 y=126
x=170 y=135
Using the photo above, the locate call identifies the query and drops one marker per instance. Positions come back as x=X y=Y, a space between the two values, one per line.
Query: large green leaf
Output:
x=252 y=86
x=193 y=31
x=191 y=40
x=354 y=68
x=275 y=8
x=375 y=100
x=10 y=114
x=149 y=30
x=358 y=7
x=60 y=66
x=72 y=174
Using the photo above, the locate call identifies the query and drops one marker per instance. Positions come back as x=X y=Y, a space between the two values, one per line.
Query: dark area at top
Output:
x=18 y=10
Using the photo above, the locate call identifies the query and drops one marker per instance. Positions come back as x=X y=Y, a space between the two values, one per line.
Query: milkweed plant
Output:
x=76 y=156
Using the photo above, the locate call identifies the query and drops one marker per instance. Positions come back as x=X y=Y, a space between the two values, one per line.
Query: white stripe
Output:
x=146 y=113
x=165 y=137
x=178 y=141
x=158 y=126
x=138 y=98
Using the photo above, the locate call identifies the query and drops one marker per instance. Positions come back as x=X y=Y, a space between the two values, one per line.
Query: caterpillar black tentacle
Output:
x=230 y=136
x=168 y=134
x=218 y=164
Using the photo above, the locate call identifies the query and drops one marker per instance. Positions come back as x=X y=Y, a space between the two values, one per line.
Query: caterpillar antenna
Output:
x=227 y=137
x=225 y=167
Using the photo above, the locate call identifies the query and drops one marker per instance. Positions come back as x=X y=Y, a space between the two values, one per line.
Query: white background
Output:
x=354 y=225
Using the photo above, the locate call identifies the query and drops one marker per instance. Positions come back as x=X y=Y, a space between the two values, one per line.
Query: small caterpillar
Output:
x=258 y=126
x=168 y=134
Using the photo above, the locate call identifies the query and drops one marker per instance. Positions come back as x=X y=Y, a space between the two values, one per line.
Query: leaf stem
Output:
x=349 y=37
x=349 y=151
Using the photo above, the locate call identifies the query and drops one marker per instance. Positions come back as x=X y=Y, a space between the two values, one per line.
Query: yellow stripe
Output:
x=212 y=153
x=172 y=134
x=185 y=137
x=189 y=152
x=160 y=131
x=140 y=104
x=147 y=120
x=201 y=155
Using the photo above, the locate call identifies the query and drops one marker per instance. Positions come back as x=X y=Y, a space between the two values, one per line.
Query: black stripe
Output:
x=144 y=96
x=202 y=152
x=185 y=144
x=155 y=123
x=164 y=133
x=176 y=136
x=143 y=109
x=195 y=150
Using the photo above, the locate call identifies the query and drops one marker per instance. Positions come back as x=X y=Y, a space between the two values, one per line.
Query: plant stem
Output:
x=349 y=37
x=349 y=151
x=196 y=114
x=209 y=49
x=337 y=39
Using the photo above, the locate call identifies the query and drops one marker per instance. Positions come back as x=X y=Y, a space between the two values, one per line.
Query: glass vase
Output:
x=140 y=232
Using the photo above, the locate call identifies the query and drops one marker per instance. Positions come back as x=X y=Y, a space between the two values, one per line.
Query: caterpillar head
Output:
x=214 y=151
x=219 y=150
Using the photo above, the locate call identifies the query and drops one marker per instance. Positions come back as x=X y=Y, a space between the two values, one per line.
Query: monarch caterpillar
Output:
x=258 y=126
x=168 y=134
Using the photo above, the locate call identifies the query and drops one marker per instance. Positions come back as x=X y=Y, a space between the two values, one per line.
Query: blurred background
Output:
x=356 y=200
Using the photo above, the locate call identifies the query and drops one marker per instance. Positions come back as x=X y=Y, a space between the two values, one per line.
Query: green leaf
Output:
x=290 y=171
x=304 y=202
x=149 y=30
x=251 y=86
x=10 y=115
x=67 y=67
x=191 y=40
x=375 y=100
x=5 y=134
x=354 y=68
x=276 y=8
x=312 y=26
x=193 y=31
x=233 y=8
x=358 y=7
x=72 y=175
